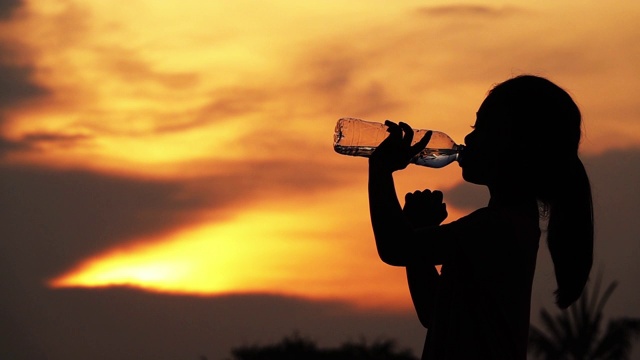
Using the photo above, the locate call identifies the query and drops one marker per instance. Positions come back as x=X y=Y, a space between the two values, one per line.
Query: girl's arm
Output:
x=391 y=229
x=424 y=282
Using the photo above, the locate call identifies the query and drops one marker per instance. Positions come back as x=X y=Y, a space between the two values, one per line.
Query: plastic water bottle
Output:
x=357 y=137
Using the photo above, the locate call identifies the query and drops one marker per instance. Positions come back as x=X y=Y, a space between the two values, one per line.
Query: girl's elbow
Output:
x=425 y=320
x=392 y=258
x=392 y=250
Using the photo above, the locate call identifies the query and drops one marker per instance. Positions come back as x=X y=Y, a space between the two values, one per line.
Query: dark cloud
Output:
x=35 y=141
x=17 y=86
x=63 y=140
x=16 y=81
x=7 y=146
x=7 y=8
x=126 y=324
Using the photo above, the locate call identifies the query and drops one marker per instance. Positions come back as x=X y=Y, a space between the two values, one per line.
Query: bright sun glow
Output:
x=267 y=252
x=252 y=252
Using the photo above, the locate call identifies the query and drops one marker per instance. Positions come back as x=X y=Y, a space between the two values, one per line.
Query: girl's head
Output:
x=526 y=128
x=526 y=136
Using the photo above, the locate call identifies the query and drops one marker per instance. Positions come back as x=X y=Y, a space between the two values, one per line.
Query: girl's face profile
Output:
x=474 y=158
x=481 y=158
x=496 y=147
x=486 y=159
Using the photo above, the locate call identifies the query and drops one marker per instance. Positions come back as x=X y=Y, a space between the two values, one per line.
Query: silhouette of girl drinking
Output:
x=524 y=148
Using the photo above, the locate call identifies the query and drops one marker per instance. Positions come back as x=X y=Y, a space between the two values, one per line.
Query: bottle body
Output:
x=357 y=137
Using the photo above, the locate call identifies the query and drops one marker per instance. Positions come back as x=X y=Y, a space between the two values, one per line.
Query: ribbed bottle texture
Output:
x=356 y=137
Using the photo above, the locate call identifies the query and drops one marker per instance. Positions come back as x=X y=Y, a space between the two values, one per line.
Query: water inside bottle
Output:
x=435 y=158
x=365 y=151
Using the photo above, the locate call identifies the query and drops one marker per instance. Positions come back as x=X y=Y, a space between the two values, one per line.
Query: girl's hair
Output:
x=547 y=123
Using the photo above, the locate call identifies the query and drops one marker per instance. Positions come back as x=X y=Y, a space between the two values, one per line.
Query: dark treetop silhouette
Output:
x=297 y=348
x=524 y=148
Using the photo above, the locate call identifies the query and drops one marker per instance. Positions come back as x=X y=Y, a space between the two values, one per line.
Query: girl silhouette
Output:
x=524 y=148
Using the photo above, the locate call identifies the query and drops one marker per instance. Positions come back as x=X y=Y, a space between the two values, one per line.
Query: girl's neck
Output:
x=513 y=199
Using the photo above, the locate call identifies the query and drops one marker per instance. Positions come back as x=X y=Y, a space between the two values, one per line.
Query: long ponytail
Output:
x=570 y=232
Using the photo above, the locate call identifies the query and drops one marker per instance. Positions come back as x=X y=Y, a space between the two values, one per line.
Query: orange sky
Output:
x=235 y=102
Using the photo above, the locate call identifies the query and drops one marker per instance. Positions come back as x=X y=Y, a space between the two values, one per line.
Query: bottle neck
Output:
x=458 y=149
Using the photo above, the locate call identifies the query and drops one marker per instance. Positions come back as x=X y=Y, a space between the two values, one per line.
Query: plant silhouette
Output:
x=297 y=347
x=575 y=333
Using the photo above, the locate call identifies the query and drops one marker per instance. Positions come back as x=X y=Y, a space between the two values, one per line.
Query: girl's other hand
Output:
x=425 y=208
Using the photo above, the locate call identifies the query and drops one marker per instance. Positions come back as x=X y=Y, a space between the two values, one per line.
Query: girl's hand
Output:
x=396 y=151
x=425 y=208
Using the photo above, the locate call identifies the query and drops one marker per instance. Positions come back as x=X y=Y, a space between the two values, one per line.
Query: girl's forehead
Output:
x=486 y=118
x=492 y=113
x=491 y=103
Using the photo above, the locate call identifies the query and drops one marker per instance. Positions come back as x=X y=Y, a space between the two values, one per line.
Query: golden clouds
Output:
x=234 y=103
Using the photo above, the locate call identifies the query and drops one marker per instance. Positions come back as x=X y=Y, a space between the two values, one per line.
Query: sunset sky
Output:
x=177 y=155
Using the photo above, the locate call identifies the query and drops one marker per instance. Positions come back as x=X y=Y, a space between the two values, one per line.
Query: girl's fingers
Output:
x=392 y=127
x=437 y=196
x=408 y=133
x=420 y=145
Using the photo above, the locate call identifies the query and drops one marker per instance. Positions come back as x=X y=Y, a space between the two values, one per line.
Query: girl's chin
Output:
x=472 y=177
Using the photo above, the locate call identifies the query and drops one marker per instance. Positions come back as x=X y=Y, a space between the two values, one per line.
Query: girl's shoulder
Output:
x=481 y=217
x=496 y=224
x=489 y=216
